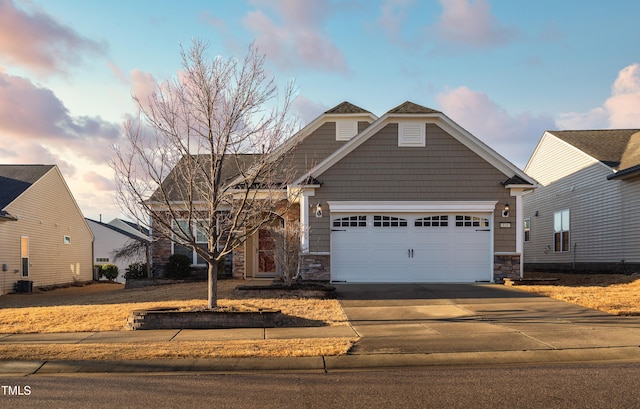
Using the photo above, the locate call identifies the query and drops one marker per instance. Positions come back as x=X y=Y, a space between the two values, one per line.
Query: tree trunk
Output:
x=212 y=274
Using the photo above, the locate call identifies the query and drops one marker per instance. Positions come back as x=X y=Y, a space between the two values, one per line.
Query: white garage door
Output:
x=443 y=247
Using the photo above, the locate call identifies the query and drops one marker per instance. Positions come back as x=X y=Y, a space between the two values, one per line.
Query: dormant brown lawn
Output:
x=106 y=307
x=616 y=294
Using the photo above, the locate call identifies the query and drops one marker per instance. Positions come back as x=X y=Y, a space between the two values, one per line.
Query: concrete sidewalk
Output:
x=413 y=325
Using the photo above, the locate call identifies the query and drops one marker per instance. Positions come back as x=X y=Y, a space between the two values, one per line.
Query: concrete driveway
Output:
x=449 y=318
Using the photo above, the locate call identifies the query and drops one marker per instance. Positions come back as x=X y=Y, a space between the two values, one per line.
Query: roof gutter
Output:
x=628 y=172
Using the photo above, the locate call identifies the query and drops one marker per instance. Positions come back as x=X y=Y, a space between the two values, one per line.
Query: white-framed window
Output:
x=527 y=229
x=561 y=231
x=471 y=221
x=351 y=221
x=412 y=134
x=66 y=239
x=346 y=129
x=24 y=256
x=180 y=227
x=389 y=221
x=432 y=221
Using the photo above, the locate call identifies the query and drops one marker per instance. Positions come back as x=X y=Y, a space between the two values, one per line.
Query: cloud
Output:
x=143 y=86
x=298 y=39
x=34 y=116
x=307 y=109
x=99 y=182
x=393 y=14
x=469 y=23
x=620 y=110
x=513 y=136
x=38 y=42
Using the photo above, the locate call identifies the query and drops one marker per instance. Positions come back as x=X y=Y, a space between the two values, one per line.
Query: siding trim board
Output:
x=411 y=206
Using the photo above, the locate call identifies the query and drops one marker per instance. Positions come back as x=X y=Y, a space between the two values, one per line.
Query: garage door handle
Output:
x=337 y=230
x=483 y=229
x=410 y=253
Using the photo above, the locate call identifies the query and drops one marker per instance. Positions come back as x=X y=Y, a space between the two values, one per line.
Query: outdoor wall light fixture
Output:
x=505 y=210
x=318 y=210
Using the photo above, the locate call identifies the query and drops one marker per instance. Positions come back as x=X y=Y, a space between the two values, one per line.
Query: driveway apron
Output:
x=448 y=318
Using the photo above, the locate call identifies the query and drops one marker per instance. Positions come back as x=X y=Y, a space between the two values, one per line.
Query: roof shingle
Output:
x=15 y=179
x=616 y=148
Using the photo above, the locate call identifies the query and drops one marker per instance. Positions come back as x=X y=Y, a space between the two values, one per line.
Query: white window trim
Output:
x=346 y=129
x=412 y=206
x=562 y=230
x=192 y=230
x=417 y=138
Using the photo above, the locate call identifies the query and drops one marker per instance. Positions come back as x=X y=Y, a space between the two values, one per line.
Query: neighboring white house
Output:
x=112 y=236
x=585 y=215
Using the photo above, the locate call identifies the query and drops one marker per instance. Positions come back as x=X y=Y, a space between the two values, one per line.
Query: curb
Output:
x=323 y=364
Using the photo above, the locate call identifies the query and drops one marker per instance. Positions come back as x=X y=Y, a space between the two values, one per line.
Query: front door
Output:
x=266 y=249
x=266 y=254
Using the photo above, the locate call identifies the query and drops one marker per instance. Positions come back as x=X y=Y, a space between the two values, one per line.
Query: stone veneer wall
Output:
x=160 y=253
x=316 y=267
x=238 y=262
x=506 y=266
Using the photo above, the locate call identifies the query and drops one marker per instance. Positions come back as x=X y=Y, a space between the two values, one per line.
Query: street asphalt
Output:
x=398 y=326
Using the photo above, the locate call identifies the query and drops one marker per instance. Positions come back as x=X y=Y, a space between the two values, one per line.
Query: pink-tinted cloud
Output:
x=295 y=37
x=37 y=41
x=34 y=115
x=469 y=23
x=513 y=136
x=99 y=182
x=620 y=110
x=143 y=86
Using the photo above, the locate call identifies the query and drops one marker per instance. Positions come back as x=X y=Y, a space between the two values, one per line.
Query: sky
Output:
x=505 y=70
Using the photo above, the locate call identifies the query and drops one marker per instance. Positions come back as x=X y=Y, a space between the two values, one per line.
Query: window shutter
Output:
x=345 y=130
x=411 y=134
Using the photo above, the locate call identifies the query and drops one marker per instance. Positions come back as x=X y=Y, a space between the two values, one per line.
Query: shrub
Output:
x=178 y=266
x=109 y=271
x=136 y=271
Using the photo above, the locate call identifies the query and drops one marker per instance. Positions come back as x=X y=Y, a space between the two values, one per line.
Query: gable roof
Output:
x=409 y=109
x=346 y=108
x=615 y=148
x=117 y=230
x=172 y=184
x=16 y=179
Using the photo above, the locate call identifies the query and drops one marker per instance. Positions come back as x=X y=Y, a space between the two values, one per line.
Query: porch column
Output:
x=305 y=207
x=517 y=193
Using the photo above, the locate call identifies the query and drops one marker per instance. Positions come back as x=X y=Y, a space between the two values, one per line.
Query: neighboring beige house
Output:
x=585 y=215
x=44 y=239
x=407 y=197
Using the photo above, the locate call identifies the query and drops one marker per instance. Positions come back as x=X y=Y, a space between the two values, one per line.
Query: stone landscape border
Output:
x=172 y=318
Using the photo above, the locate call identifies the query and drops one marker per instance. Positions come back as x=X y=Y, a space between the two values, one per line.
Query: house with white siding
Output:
x=406 y=197
x=44 y=238
x=112 y=236
x=584 y=216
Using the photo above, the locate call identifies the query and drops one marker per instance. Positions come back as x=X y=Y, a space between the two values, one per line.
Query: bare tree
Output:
x=288 y=250
x=201 y=167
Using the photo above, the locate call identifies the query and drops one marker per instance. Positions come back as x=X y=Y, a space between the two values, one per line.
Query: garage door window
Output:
x=471 y=221
x=351 y=221
x=433 y=221
x=389 y=221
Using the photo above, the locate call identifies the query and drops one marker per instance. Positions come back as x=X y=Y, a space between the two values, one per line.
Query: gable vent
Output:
x=345 y=130
x=411 y=134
